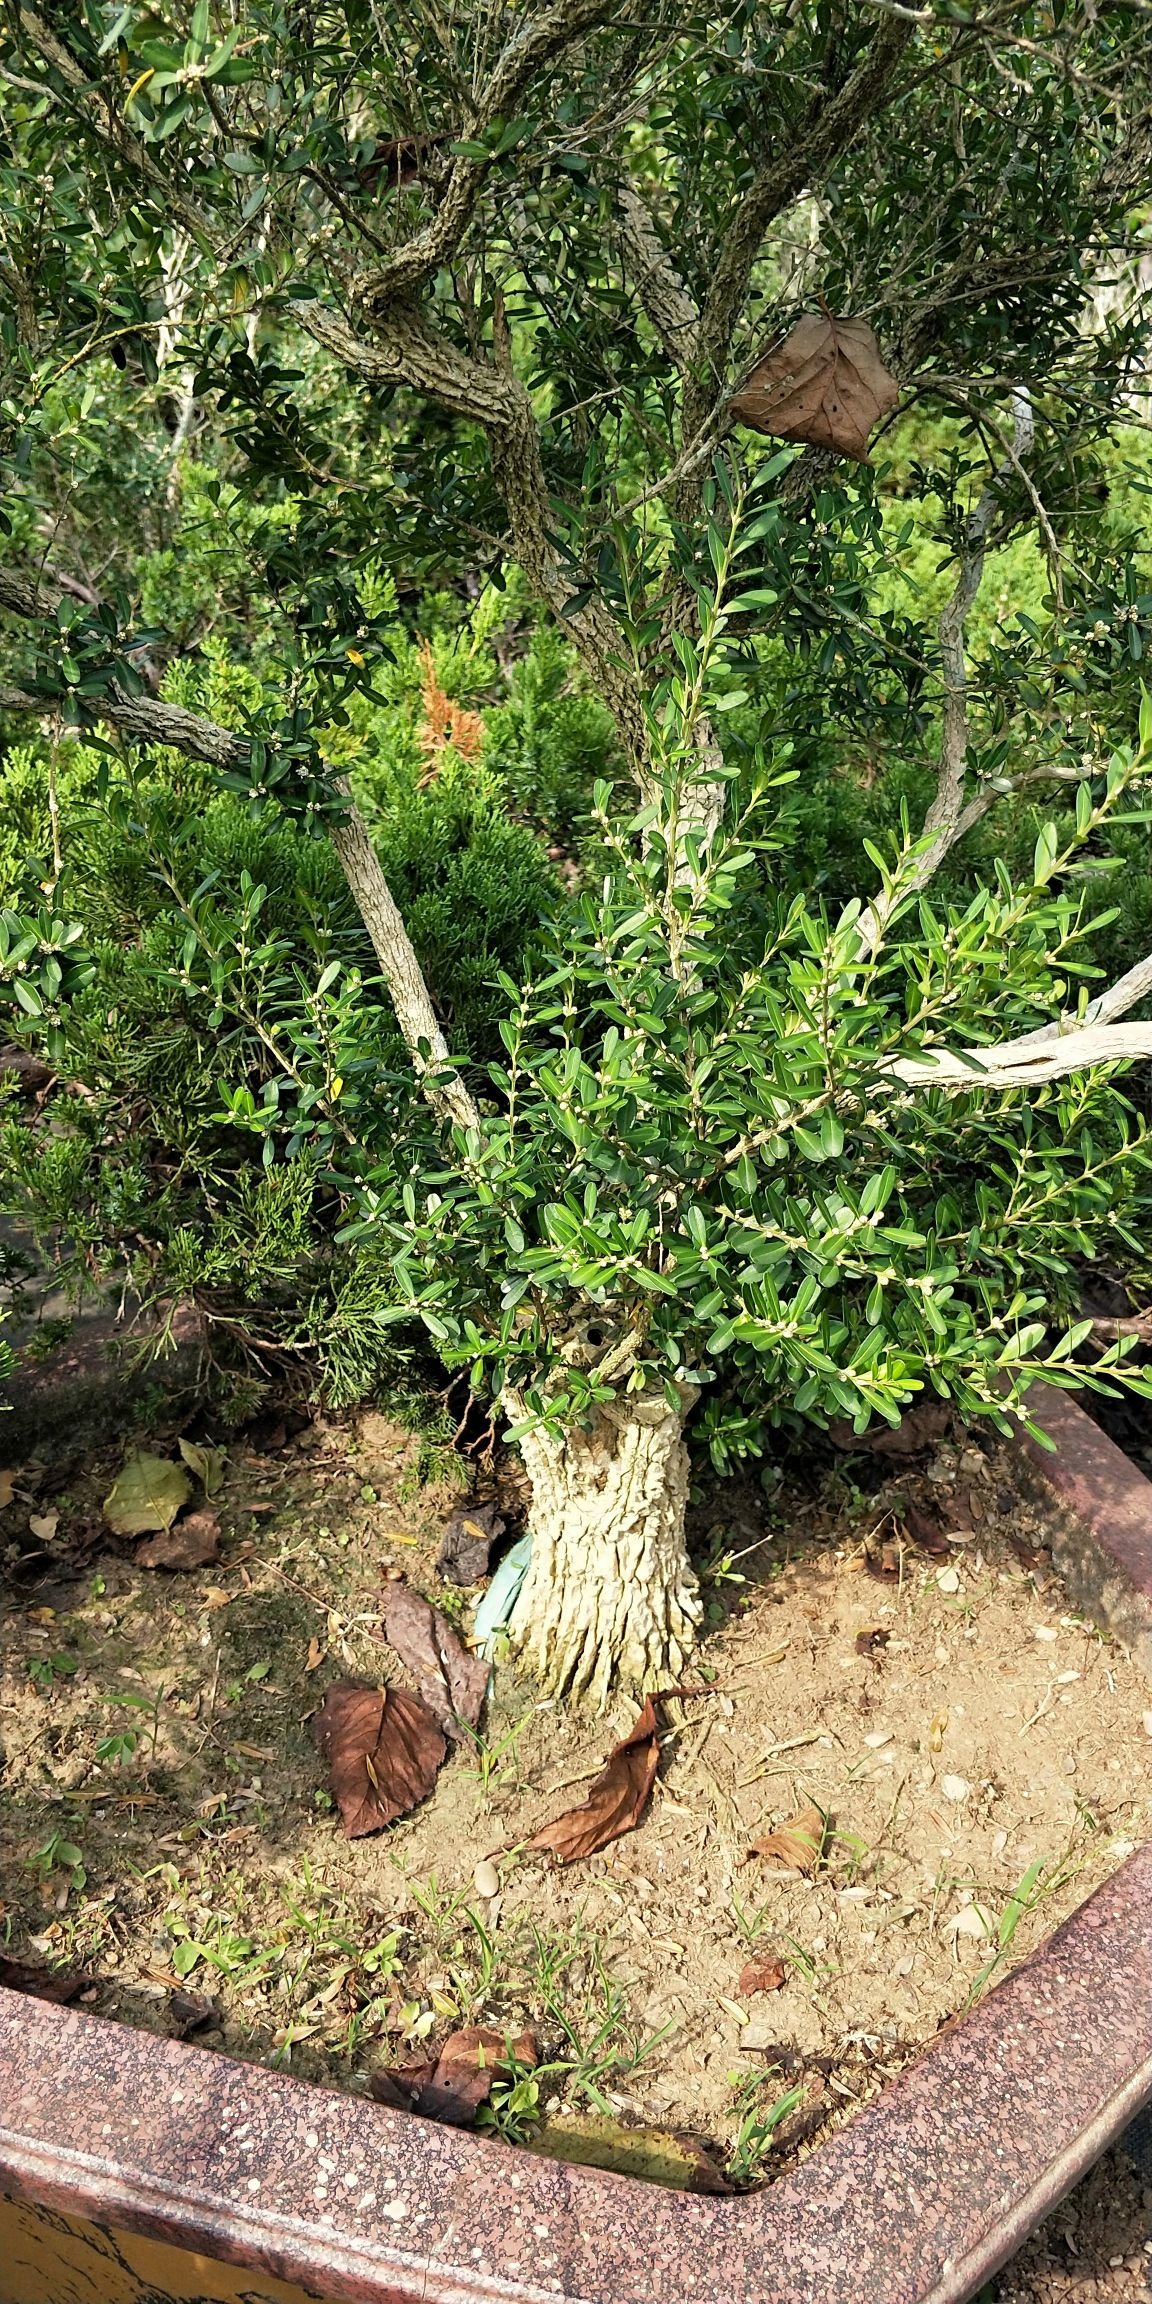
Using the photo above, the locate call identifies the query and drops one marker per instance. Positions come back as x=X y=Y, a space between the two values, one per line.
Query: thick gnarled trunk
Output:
x=609 y=1599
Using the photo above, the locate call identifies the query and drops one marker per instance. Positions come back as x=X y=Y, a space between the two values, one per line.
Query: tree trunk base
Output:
x=609 y=1599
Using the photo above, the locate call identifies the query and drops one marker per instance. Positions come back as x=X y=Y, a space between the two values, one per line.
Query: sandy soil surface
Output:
x=982 y=1755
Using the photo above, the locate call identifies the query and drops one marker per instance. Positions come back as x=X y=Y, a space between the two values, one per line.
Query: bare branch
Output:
x=146 y=720
x=1027 y=1062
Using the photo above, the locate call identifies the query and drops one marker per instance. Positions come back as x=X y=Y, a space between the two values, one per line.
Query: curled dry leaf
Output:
x=150 y=1492
x=616 y=1799
x=190 y=2012
x=467 y=1542
x=44 y=1525
x=384 y=1751
x=193 y=1543
x=59 y=1984
x=315 y=1656
x=825 y=384
x=762 y=1976
x=926 y=1532
x=797 y=1845
x=453 y=1684
x=872 y=1641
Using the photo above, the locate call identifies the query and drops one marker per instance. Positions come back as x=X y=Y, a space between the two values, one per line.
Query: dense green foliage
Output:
x=309 y=343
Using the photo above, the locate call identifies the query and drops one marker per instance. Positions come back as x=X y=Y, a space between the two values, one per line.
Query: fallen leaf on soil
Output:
x=467 y=1542
x=617 y=1797
x=467 y=2065
x=762 y=1976
x=44 y=1525
x=189 y=2012
x=872 y=1640
x=454 y=2086
x=663 y=2155
x=150 y=1492
x=59 y=1984
x=825 y=384
x=384 y=1751
x=937 y=1731
x=398 y=2085
x=206 y=1463
x=213 y=1596
x=192 y=1543
x=1027 y=1554
x=315 y=1656
x=797 y=1845
x=7 y=1489
x=452 y=1683
x=926 y=1531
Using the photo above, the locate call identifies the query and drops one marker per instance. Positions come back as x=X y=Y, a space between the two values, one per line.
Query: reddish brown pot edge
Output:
x=1102 y=1537
x=919 y=2198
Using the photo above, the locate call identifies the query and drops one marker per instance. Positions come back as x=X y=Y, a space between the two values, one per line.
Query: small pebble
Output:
x=878 y=1738
x=948 y=1580
x=954 y=1787
x=1148 y=1723
x=486 y=1878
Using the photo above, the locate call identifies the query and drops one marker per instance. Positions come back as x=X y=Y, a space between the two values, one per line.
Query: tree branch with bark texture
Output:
x=404 y=350
x=952 y=813
x=832 y=124
x=147 y=720
x=541 y=41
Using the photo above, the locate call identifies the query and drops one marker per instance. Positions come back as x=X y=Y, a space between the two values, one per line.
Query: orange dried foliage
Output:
x=447 y=726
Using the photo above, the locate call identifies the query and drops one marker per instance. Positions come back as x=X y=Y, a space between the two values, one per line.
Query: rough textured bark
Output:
x=402 y=973
x=609 y=1597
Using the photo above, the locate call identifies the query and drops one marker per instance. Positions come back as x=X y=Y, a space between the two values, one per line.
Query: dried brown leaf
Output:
x=315 y=1656
x=7 y=1489
x=59 y=1984
x=872 y=1640
x=452 y=1683
x=797 y=1845
x=825 y=384
x=468 y=2063
x=926 y=1531
x=192 y=1543
x=467 y=1542
x=190 y=2012
x=762 y=1976
x=616 y=1799
x=384 y=1751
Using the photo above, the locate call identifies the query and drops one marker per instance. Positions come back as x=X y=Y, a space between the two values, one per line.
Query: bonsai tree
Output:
x=629 y=304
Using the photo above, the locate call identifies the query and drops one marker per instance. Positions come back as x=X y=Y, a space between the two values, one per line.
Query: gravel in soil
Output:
x=982 y=1755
